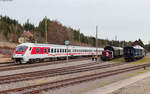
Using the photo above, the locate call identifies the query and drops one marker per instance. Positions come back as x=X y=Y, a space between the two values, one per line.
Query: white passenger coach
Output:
x=32 y=52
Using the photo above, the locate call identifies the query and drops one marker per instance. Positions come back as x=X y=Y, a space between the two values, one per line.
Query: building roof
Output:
x=27 y=34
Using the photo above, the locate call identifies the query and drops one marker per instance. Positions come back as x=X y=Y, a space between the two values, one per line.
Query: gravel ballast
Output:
x=40 y=68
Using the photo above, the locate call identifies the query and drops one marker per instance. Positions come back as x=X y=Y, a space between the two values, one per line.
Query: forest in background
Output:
x=11 y=30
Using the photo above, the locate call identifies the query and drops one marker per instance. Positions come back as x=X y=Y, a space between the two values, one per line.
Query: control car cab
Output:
x=19 y=54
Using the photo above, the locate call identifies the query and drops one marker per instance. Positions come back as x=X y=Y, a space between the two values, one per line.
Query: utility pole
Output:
x=96 y=40
x=116 y=40
x=79 y=38
x=45 y=29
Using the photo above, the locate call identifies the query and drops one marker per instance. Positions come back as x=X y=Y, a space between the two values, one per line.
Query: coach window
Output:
x=42 y=50
x=37 y=50
x=52 y=50
x=57 y=50
x=45 y=50
x=69 y=50
x=48 y=50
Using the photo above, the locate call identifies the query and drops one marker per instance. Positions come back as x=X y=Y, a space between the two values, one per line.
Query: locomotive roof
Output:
x=113 y=47
x=135 y=47
x=138 y=47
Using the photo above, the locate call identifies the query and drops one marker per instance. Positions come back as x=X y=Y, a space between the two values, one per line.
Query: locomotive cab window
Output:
x=21 y=48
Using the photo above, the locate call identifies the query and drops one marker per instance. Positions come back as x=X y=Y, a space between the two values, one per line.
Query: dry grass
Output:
x=7 y=45
x=44 y=80
x=4 y=58
x=117 y=60
x=144 y=60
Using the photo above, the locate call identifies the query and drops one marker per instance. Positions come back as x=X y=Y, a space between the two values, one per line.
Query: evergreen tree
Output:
x=28 y=26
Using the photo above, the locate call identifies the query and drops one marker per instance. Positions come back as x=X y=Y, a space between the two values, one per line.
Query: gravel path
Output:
x=140 y=87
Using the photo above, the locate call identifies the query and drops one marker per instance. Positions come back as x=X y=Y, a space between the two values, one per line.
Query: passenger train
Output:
x=32 y=52
x=132 y=53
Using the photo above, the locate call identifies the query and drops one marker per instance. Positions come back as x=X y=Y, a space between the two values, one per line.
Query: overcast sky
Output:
x=127 y=19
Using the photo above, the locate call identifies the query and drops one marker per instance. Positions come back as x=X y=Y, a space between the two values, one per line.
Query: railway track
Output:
x=6 y=63
x=34 y=89
x=54 y=72
x=23 y=66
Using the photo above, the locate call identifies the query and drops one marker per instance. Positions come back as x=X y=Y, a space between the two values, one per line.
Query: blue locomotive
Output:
x=132 y=53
